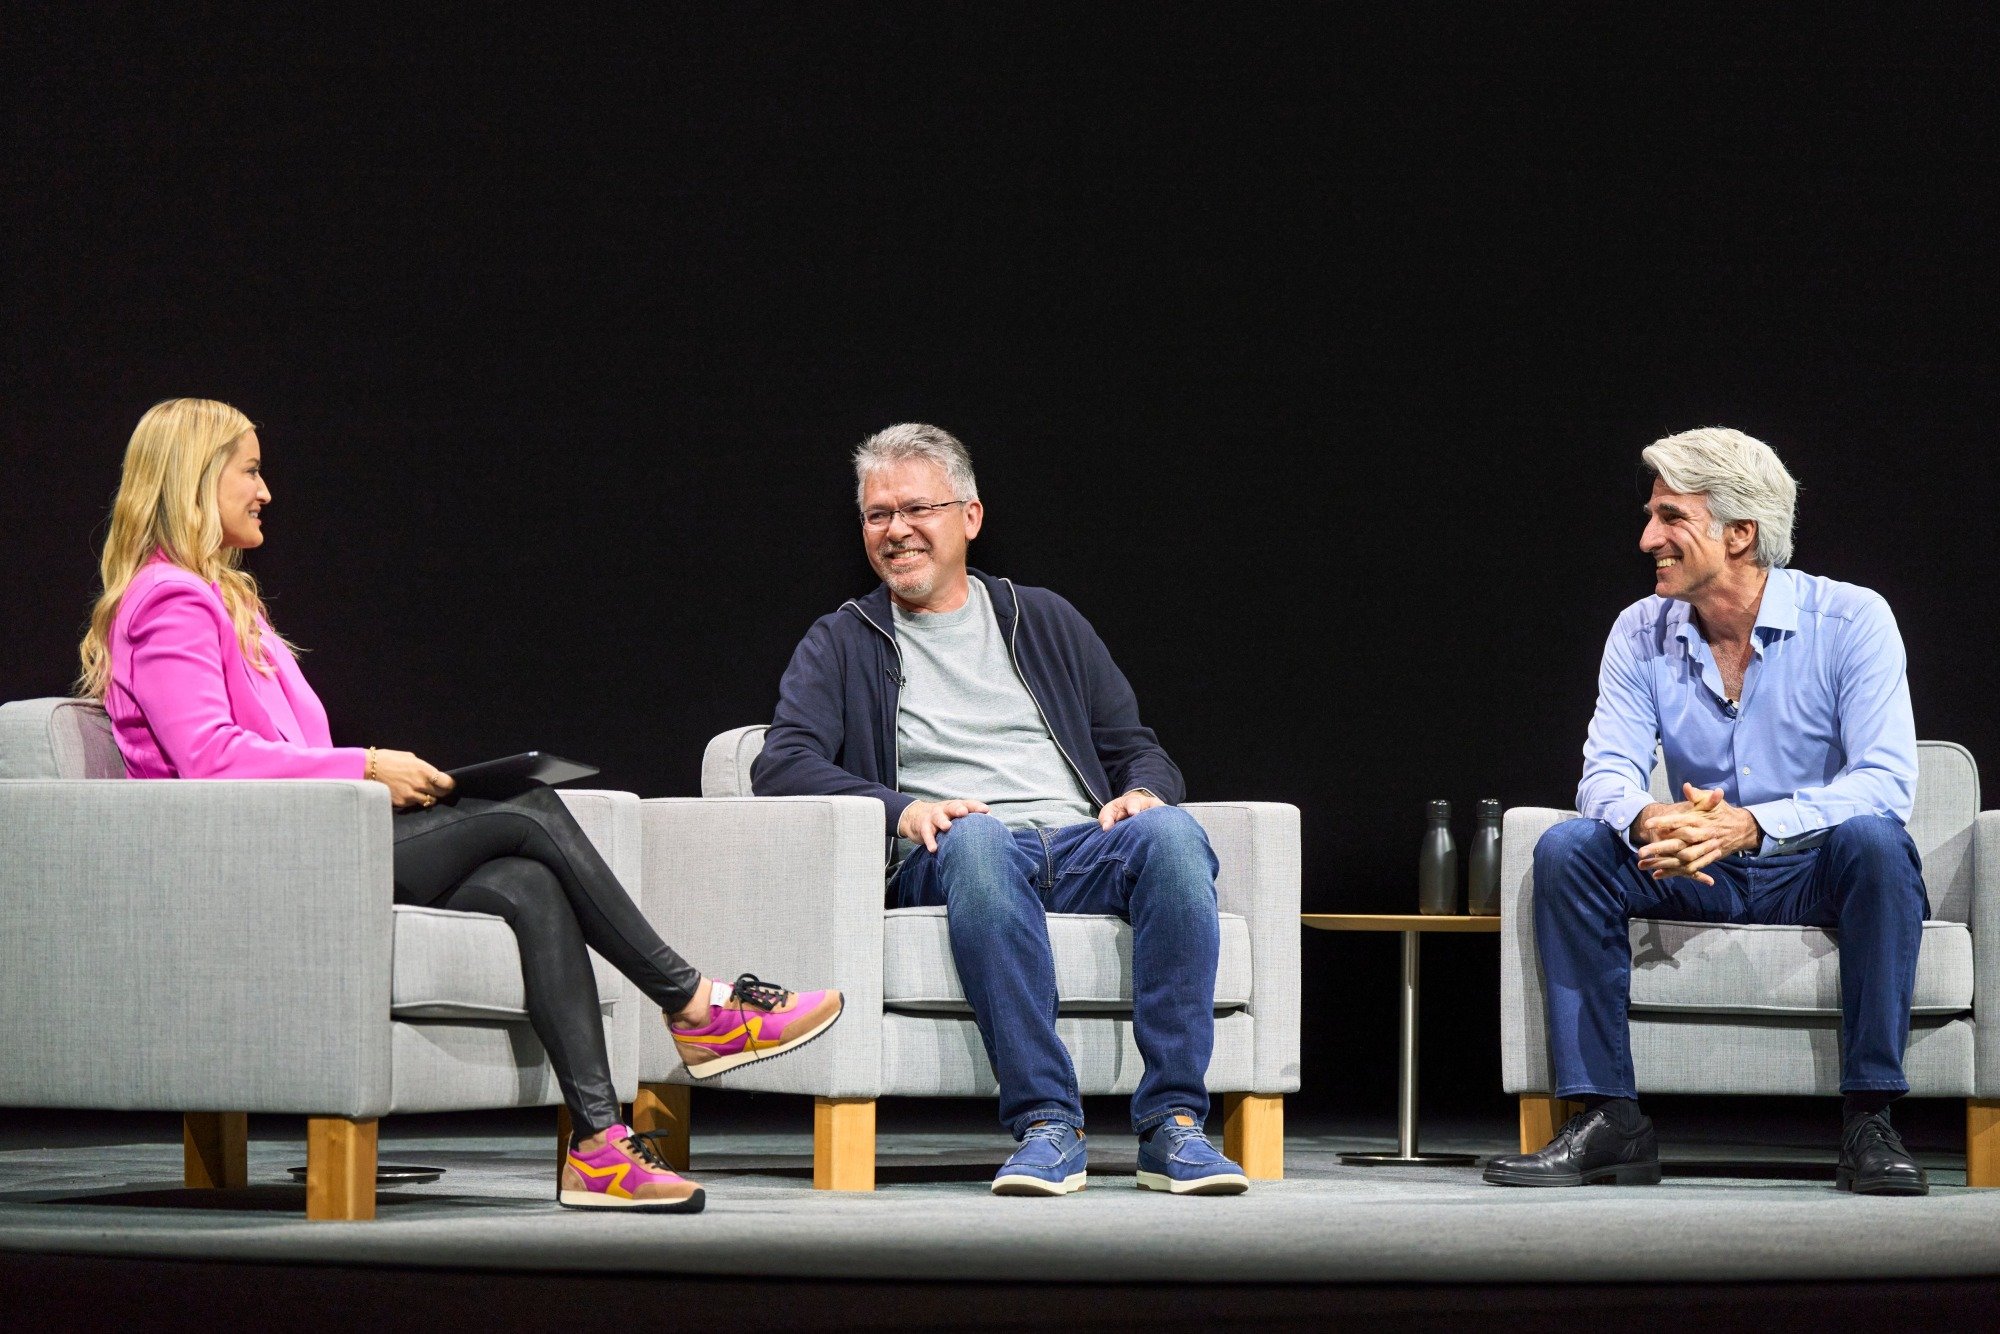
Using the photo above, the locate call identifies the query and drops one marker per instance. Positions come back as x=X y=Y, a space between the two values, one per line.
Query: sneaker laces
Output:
x=1051 y=1131
x=756 y=991
x=641 y=1145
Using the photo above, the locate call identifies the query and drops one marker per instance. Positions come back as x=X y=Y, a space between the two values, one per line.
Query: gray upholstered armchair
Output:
x=791 y=888
x=221 y=948
x=1756 y=1009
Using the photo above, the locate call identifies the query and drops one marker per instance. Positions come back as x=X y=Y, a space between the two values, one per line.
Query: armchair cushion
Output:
x=57 y=738
x=467 y=965
x=1703 y=968
x=726 y=761
x=1093 y=957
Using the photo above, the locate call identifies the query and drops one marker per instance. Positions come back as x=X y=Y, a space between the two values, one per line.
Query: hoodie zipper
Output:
x=895 y=739
x=1015 y=658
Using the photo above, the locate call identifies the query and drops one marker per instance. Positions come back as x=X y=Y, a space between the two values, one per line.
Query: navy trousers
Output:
x=1866 y=882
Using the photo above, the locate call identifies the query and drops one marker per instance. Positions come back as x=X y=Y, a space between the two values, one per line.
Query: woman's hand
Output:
x=411 y=782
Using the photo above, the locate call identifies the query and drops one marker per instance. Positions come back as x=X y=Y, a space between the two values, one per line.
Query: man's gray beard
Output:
x=915 y=587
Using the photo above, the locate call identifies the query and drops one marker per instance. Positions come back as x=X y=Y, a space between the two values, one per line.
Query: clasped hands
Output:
x=923 y=821
x=1681 y=837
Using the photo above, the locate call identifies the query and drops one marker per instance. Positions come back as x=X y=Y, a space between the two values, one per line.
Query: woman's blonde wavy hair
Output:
x=167 y=503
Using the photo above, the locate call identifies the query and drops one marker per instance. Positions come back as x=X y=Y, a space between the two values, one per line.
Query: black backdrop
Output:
x=1308 y=353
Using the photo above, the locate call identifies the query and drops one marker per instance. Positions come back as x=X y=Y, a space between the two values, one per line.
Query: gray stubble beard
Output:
x=913 y=591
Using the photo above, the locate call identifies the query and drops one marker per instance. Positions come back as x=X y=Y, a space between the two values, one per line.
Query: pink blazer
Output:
x=185 y=703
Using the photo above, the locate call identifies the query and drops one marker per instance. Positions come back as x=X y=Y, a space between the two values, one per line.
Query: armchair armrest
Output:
x=1257 y=844
x=195 y=946
x=789 y=888
x=1524 y=1036
x=1986 y=955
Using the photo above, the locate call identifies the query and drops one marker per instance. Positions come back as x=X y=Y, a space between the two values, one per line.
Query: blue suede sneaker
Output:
x=1049 y=1161
x=1177 y=1157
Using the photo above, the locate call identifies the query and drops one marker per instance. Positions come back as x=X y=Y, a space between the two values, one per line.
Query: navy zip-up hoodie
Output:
x=835 y=730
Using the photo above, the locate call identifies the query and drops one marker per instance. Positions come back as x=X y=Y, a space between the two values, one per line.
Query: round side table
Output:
x=1411 y=926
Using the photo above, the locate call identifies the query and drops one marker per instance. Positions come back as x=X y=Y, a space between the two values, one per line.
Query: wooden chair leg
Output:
x=843 y=1144
x=1982 y=1141
x=340 y=1168
x=215 y=1150
x=663 y=1110
x=1253 y=1134
x=1541 y=1117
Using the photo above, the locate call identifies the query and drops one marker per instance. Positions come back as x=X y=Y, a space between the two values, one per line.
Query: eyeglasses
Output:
x=911 y=513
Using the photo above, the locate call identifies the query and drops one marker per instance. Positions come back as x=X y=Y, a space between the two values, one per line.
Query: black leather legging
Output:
x=526 y=860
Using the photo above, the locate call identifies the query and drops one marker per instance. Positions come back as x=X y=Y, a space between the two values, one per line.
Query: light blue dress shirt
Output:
x=1822 y=734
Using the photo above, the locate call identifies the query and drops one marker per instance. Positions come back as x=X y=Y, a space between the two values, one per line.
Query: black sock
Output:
x=1621 y=1112
x=1866 y=1102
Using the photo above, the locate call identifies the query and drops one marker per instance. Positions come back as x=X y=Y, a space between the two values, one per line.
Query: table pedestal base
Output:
x=1411 y=926
x=1410 y=1160
x=1407 y=1154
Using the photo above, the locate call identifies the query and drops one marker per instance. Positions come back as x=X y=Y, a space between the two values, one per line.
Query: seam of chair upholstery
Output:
x=425 y=910
x=473 y=1013
x=1640 y=1007
x=1097 y=1008
x=1929 y=922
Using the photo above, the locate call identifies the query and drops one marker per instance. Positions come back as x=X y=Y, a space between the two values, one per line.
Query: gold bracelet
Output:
x=370 y=773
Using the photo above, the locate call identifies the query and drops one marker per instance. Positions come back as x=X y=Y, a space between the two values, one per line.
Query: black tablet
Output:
x=497 y=780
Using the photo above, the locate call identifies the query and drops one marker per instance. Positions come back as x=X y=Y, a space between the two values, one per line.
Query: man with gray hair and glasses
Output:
x=1017 y=781
x=1782 y=707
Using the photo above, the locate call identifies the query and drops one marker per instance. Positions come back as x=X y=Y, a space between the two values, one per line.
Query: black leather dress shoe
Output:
x=1589 y=1150
x=1873 y=1160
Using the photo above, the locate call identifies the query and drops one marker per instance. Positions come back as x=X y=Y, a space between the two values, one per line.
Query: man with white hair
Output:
x=1781 y=704
x=1017 y=781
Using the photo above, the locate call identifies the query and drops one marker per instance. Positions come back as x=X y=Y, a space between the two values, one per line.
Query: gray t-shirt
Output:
x=966 y=725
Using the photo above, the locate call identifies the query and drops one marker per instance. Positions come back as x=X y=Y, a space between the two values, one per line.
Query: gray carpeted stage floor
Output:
x=1725 y=1212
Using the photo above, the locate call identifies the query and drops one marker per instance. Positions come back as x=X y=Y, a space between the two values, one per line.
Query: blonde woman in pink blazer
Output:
x=199 y=685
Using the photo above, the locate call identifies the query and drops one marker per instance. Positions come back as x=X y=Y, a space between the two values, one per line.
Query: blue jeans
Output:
x=1866 y=882
x=998 y=885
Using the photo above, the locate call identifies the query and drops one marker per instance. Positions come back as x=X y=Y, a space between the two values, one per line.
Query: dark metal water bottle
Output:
x=1482 y=862
x=1437 y=863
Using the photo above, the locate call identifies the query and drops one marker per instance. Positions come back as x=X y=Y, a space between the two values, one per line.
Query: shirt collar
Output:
x=1777 y=613
x=1680 y=624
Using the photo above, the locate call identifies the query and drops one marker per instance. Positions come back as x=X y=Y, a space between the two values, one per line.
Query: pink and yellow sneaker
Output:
x=754 y=1021
x=625 y=1174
